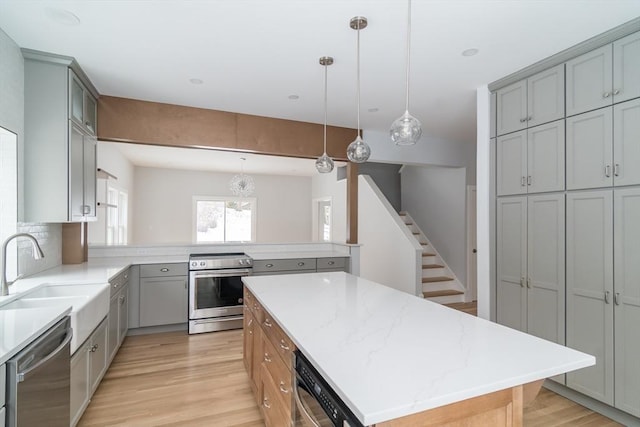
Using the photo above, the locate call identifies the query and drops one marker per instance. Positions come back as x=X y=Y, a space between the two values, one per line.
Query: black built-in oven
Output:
x=216 y=291
x=316 y=404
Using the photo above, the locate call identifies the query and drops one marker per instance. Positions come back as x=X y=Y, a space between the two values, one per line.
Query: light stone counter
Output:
x=389 y=354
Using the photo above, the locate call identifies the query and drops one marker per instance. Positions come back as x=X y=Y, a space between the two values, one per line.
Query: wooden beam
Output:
x=352 y=203
x=143 y=122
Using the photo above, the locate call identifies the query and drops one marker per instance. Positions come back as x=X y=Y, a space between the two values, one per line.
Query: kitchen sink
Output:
x=89 y=305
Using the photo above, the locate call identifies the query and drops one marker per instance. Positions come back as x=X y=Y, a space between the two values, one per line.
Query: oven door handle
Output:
x=303 y=411
x=222 y=273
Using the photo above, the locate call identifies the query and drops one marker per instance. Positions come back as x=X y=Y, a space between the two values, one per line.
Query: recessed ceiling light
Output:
x=62 y=16
x=196 y=81
x=470 y=52
x=373 y=110
x=293 y=97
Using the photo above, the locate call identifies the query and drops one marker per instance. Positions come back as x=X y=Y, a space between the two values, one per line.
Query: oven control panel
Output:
x=219 y=261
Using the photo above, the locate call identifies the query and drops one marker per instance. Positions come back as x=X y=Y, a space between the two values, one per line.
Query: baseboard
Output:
x=595 y=405
x=158 y=329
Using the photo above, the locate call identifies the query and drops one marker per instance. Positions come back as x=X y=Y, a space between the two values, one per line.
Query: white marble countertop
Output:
x=389 y=354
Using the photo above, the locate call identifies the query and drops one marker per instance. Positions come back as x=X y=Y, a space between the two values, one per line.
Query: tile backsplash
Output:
x=49 y=237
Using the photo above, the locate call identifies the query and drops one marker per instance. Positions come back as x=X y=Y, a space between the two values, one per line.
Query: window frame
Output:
x=194 y=217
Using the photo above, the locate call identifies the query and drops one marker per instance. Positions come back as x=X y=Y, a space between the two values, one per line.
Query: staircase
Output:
x=439 y=284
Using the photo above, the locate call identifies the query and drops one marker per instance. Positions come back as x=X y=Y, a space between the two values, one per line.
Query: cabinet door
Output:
x=89 y=177
x=123 y=314
x=512 y=108
x=76 y=173
x=589 y=81
x=79 y=377
x=545 y=267
x=626 y=63
x=590 y=150
x=163 y=301
x=112 y=336
x=627 y=299
x=545 y=96
x=626 y=143
x=76 y=99
x=511 y=153
x=98 y=356
x=545 y=157
x=493 y=113
x=90 y=113
x=511 y=249
x=248 y=326
x=590 y=290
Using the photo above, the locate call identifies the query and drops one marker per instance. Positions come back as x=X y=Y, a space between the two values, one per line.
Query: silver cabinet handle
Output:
x=267 y=358
x=523 y=120
x=529 y=180
x=283 y=345
x=164 y=269
x=529 y=282
x=616 y=169
x=267 y=323
x=616 y=298
x=606 y=94
x=606 y=297
x=607 y=171
x=331 y=262
x=300 y=264
x=268 y=265
x=522 y=181
x=86 y=209
x=522 y=282
x=283 y=388
x=529 y=118
x=616 y=91
x=265 y=403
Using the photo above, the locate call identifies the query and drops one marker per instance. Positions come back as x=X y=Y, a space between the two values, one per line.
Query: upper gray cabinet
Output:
x=531 y=102
x=626 y=143
x=604 y=76
x=60 y=142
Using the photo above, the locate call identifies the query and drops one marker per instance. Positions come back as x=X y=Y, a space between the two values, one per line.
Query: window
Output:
x=117 y=205
x=223 y=219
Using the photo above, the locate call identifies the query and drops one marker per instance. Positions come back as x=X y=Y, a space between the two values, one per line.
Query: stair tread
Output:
x=436 y=279
x=443 y=293
x=415 y=233
x=424 y=266
x=428 y=254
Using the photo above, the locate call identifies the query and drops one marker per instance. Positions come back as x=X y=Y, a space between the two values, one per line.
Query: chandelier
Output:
x=242 y=185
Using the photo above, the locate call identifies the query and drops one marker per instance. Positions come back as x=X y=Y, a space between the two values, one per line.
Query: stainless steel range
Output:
x=215 y=291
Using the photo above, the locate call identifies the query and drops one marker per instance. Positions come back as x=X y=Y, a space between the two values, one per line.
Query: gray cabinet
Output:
x=626 y=269
x=530 y=264
x=60 y=148
x=283 y=266
x=531 y=102
x=626 y=142
x=532 y=160
x=590 y=289
x=604 y=76
x=332 y=264
x=88 y=366
x=163 y=294
x=118 y=312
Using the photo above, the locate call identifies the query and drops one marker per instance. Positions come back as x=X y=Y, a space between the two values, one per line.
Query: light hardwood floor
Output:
x=175 y=379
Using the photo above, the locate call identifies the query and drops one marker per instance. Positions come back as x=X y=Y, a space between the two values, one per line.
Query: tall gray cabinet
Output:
x=568 y=213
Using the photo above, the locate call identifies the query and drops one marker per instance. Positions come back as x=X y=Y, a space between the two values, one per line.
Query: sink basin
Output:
x=89 y=305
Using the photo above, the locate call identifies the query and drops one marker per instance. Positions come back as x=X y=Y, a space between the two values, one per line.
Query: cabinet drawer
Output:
x=336 y=263
x=254 y=306
x=118 y=282
x=281 y=342
x=300 y=264
x=159 y=270
x=280 y=373
x=275 y=414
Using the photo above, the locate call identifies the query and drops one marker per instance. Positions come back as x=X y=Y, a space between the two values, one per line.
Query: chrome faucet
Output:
x=37 y=254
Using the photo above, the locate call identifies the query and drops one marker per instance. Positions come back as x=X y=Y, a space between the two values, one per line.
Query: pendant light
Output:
x=324 y=163
x=358 y=151
x=406 y=130
x=242 y=185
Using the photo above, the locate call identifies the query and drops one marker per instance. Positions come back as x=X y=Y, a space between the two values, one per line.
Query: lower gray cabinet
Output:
x=163 y=300
x=118 y=319
x=332 y=264
x=88 y=365
x=299 y=265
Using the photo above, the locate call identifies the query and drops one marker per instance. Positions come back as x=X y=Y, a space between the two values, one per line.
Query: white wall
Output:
x=110 y=159
x=12 y=117
x=327 y=185
x=163 y=205
x=388 y=253
x=435 y=197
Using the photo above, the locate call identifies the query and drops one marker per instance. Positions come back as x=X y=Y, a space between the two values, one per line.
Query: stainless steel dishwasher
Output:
x=38 y=380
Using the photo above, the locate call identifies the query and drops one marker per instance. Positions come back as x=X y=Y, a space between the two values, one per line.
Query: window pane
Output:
x=238 y=224
x=210 y=221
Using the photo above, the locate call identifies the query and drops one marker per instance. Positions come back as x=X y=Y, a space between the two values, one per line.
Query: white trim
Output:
x=483 y=197
x=194 y=215
x=471 y=285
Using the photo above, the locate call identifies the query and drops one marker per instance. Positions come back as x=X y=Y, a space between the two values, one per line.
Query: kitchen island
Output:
x=395 y=359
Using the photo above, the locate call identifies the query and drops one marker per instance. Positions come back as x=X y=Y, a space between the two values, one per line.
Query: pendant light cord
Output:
x=325 y=109
x=408 y=51
x=358 y=72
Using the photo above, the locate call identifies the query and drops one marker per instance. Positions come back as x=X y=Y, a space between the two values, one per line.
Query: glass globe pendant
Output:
x=406 y=130
x=324 y=163
x=242 y=185
x=358 y=151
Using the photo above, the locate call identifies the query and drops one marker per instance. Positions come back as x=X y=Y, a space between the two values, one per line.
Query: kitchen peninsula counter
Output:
x=390 y=355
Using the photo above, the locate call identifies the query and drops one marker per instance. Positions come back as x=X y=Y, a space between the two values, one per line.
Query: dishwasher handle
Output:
x=24 y=375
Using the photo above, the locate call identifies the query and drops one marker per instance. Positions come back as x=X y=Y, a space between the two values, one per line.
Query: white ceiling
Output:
x=253 y=54
x=214 y=160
